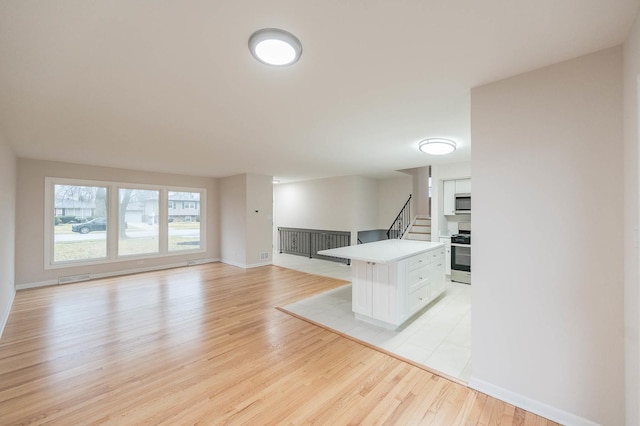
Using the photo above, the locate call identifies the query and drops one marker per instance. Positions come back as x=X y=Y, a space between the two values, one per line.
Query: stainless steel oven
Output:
x=461 y=254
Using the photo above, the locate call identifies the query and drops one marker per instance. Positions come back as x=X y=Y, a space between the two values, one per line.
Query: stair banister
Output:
x=402 y=221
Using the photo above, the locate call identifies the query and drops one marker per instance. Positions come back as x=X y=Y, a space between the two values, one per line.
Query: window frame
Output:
x=113 y=188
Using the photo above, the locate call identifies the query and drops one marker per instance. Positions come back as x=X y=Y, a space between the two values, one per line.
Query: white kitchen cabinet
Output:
x=437 y=273
x=463 y=186
x=393 y=279
x=447 y=254
x=373 y=290
x=449 y=193
x=362 y=285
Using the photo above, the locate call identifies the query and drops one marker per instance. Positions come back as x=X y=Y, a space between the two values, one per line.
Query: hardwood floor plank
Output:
x=206 y=345
x=476 y=410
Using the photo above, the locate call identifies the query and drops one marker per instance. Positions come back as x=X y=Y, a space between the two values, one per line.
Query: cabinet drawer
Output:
x=418 y=298
x=436 y=256
x=418 y=261
x=418 y=277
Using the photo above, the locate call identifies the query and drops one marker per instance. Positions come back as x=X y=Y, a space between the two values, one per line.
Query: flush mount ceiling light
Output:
x=437 y=146
x=272 y=46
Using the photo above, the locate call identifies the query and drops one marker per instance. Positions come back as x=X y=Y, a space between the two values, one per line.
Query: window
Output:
x=80 y=223
x=184 y=229
x=138 y=231
x=92 y=222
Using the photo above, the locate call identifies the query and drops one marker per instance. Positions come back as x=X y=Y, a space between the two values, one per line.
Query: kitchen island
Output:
x=393 y=279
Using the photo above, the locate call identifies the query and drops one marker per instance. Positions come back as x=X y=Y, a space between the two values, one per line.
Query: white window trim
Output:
x=112 y=228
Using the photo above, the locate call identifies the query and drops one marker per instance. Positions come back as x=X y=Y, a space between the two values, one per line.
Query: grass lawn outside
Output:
x=66 y=228
x=94 y=246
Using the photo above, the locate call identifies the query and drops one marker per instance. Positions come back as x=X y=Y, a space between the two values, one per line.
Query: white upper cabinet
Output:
x=449 y=193
x=463 y=186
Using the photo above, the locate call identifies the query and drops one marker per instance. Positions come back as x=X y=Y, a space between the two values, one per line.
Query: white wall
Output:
x=233 y=216
x=631 y=210
x=547 y=330
x=259 y=216
x=315 y=204
x=392 y=194
x=7 y=229
x=30 y=220
x=419 y=190
x=246 y=207
x=347 y=203
x=364 y=213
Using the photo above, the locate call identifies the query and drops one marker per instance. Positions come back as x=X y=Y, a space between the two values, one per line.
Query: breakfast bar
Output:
x=393 y=279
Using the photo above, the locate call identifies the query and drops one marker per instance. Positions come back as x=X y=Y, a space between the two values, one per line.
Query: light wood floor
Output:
x=206 y=345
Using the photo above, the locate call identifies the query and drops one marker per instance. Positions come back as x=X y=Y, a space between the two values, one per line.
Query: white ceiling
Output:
x=171 y=86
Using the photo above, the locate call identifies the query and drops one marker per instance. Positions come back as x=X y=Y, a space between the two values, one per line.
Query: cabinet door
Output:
x=438 y=280
x=384 y=296
x=361 y=288
x=449 y=193
x=463 y=186
x=447 y=255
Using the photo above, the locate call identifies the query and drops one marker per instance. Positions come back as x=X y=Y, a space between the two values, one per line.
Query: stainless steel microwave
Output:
x=463 y=203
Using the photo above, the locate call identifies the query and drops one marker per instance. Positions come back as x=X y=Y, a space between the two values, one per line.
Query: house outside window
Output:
x=77 y=235
x=184 y=220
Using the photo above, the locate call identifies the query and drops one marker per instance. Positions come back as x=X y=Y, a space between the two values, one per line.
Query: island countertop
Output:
x=383 y=251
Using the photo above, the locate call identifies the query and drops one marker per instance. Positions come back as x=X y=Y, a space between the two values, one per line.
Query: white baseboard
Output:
x=257 y=265
x=6 y=311
x=245 y=266
x=122 y=272
x=26 y=286
x=534 y=406
x=232 y=263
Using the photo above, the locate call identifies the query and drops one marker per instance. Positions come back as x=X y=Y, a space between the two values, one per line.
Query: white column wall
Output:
x=259 y=216
x=8 y=176
x=233 y=218
x=548 y=322
x=631 y=220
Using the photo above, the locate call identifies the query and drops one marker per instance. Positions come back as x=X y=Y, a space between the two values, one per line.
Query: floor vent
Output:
x=196 y=262
x=74 y=278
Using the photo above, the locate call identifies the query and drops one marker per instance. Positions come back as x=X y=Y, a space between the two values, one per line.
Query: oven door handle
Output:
x=460 y=245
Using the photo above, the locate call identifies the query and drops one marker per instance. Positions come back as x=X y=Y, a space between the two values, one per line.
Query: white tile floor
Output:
x=325 y=268
x=438 y=338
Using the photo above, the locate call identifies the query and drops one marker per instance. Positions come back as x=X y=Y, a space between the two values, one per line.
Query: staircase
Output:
x=420 y=229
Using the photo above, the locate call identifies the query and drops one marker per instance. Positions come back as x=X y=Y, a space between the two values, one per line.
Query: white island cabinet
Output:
x=393 y=279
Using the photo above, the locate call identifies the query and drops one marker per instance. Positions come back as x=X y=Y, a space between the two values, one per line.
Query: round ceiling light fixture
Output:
x=437 y=146
x=276 y=47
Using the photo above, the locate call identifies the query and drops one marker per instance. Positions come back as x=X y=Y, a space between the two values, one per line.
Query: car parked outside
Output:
x=97 y=224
